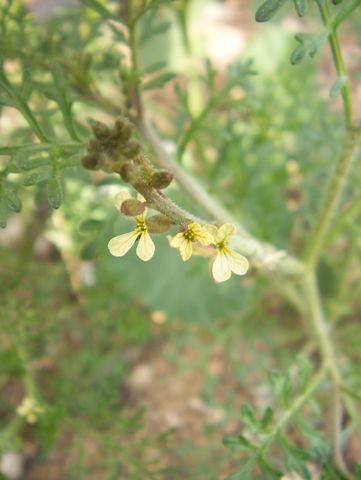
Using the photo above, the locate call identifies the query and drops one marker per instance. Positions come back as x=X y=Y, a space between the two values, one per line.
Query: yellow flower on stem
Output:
x=184 y=240
x=30 y=409
x=226 y=260
x=120 y=245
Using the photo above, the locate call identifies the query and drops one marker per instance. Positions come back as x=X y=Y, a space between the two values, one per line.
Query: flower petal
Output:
x=212 y=229
x=176 y=241
x=119 y=246
x=146 y=247
x=185 y=249
x=225 y=232
x=237 y=262
x=220 y=268
x=120 y=197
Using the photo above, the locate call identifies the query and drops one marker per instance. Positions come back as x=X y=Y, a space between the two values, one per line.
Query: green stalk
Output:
x=337 y=59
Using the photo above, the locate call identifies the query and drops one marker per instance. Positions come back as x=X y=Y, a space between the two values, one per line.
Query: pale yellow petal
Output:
x=225 y=232
x=119 y=246
x=185 y=250
x=237 y=262
x=146 y=247
x=205 y=238
x=120 y=197
x=177 y=240
x=140 y=198
x=212 y=229
x=220 y=268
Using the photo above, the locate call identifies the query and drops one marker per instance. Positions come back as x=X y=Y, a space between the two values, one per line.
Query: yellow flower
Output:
x=184 y=240
x=120 y=245
x=226 y=260
x=30 y=409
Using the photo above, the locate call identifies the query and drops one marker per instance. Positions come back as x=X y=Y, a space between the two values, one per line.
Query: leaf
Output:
x=99 y=8
x=159 y=81
x=55 y=191
x=239 y=443
x=153 y=31
x=249 y=416
x=154 y=67
x=3 y=215
x=35 y=178
x=309 y=45
x=268 y=9
x=337 y=86
x=345 y=12
x=301 y=7
x=267 y=418
x=13 y=202
x=90 y=225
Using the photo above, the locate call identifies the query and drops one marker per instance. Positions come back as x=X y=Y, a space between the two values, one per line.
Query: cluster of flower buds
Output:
x=110 y=149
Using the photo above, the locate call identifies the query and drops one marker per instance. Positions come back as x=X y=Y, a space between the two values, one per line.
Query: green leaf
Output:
x=248 y=416
x=90 y=225
x=3 y=215
x=267 y=418
x=35 y=178
x=239 y=443
x=13 y=202
x=154 y=67
x=152 y=32
x=337 y=86
x=55 y=191
x=268 y=9
x=301 y=7
x=309 y=45
x=345 y=12
x=159 y=81
x=292 y=450
x=99 y=8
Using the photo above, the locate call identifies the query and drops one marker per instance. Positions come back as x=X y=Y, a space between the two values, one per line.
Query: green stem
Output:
x=337 y=59
x=134 y=90
x=332 y=198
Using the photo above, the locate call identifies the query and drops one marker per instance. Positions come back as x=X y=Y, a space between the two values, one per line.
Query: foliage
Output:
x=87 y=98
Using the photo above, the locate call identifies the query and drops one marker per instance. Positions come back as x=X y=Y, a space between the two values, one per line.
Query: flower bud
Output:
x=161 y=179
x=131 y=150
x=132 y=207
x=90 y=161
x=158 y=223
x=100 y=130
x=127 y=171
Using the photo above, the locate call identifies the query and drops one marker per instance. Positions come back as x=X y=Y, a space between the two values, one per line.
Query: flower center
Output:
x=189 y=235
x=141 y=226
x=222 y=246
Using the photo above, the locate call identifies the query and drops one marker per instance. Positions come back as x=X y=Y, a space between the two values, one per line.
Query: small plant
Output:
x=87 y=107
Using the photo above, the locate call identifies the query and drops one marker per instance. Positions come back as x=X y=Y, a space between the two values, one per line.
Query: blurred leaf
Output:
x=90 y=250
x=301 y=7
x=12 y=200
x=99 y=8
x=90 y=225
x=3 y=214
x=153 y=31
x=345 y=11
x=238 y=443
x=55 y=190
x=35 y=178
x=159 y=81
x=309 y=45
x=268 y=9
x=154 y=67
x=267 y=417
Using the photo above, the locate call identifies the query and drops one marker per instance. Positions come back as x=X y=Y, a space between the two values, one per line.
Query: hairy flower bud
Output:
x=127 y=171
x=100 y=130
x=132 y=207
x=161 y=179
x=90 y=161
x=158 y=223
x=131 y=150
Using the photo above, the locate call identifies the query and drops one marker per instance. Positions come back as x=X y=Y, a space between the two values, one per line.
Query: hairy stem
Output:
x=337 y=59
x=332 y=198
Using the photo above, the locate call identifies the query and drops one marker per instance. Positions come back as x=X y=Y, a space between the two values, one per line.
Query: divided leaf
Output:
x=268 y=9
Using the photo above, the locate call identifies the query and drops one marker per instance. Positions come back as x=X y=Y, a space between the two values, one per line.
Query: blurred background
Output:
x=142 y=368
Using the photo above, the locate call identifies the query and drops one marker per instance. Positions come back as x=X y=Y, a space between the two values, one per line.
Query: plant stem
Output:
x=338 y=60
x=134 y=90
x=332 y=198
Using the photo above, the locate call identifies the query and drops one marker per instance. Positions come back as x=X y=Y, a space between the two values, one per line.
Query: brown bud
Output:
x=131 y=150
x=92 y=145
x=100 y=130
x=127 y=171
x=90 y=161
x=132 y=207
x=158 y=223
x=161 y=179
x=126 y=132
